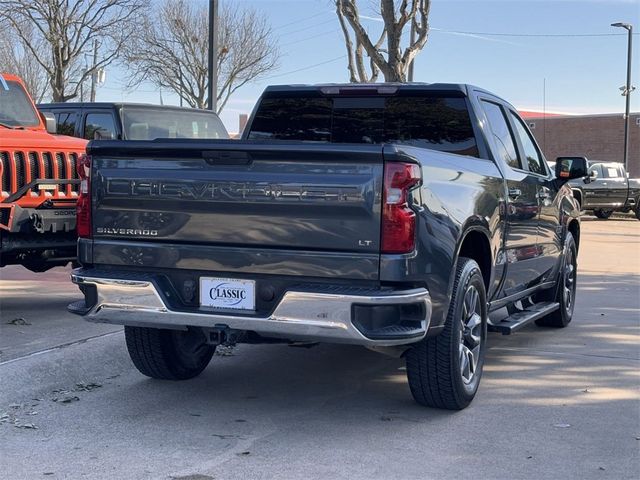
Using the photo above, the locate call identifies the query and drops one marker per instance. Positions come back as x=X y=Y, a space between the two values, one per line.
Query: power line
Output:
x=309 y=67
x=311 y=37
x=500 y=34
x=305 y=29
x=127 y=89
x=300 y=20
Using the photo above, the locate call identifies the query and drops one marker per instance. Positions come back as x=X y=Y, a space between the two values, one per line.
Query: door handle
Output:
x=514 y=193
x=544 y=194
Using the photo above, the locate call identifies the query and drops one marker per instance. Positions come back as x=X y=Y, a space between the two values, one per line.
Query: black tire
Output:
x=565 y=291
x=637 y=212
x=434 y=365
x=168 y=354
x=603 y=214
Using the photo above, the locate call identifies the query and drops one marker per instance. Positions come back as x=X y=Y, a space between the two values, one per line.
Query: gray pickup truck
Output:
x=607 y=189
x=410 y=219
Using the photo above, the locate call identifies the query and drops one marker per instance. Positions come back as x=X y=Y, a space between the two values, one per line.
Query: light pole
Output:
x=213 y=55
x=626 y=90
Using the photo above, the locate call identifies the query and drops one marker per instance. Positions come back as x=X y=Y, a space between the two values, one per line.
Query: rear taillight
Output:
x=398 y=220
x=83 y=207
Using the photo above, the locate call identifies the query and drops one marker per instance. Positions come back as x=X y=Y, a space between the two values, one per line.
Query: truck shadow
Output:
x=593 y=361
x=542 y=390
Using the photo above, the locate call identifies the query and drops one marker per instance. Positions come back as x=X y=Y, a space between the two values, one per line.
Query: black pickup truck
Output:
x=133 y=121
x=409 y=219
x=607 y=189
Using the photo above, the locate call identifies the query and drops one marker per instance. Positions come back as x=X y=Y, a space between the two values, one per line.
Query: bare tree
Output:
x=17 y=59
x=393 y=61
x=355 y=55
x=69 y=29
x=170 y=50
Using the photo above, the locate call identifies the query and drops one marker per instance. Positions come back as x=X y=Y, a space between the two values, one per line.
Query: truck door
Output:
x=549 y=239
x=521 y=203
x=615 y=182
x=593 y=192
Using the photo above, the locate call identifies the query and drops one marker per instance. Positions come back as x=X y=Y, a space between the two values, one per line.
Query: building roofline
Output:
x=559 y=115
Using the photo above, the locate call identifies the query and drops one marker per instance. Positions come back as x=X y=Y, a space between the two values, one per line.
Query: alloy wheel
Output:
x=569 y=284
x=471 y=334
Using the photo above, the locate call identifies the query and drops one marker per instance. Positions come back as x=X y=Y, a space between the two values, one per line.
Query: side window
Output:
x=531 y=152
x=501 y=133
x=99 y=126
x=596 y=167
x=66 y=123
x=611 y=171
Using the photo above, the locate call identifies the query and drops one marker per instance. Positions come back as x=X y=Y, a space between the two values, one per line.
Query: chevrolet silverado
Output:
x=407 y=218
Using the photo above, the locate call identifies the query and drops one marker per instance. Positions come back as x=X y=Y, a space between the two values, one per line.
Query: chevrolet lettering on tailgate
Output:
x=253 y=191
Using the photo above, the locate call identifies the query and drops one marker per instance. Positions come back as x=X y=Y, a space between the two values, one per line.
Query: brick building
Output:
x=597 y=137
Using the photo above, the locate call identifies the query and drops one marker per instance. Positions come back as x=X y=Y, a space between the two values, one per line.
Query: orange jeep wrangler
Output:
x=39 y=183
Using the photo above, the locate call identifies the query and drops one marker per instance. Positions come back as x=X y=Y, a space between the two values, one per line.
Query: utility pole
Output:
x=626 y=90
x=213 y=55
x=411 y=42
x=94 y=73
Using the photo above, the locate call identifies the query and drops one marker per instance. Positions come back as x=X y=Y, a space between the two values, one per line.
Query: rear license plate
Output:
x=227 y=293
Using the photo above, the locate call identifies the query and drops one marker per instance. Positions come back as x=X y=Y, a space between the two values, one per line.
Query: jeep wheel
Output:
x=444 y=371
x=637 y=212
x=565 y=291
x=603 y=214
x=168 y=354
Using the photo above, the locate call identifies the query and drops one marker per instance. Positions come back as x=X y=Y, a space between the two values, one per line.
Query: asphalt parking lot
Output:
x=552 y=403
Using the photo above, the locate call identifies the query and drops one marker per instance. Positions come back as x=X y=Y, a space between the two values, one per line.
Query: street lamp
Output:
x=627 y=89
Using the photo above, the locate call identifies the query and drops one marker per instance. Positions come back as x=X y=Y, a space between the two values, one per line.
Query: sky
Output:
x=576 y=67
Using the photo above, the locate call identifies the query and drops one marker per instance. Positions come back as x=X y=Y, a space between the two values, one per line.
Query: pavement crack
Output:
x=58 y=347
x=567 y=354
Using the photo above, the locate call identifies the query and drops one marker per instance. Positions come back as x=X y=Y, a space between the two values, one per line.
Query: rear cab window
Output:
x=437 y=121
x=143 y=123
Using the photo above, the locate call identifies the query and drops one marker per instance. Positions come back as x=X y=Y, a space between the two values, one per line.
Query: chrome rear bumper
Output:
x=300 y=315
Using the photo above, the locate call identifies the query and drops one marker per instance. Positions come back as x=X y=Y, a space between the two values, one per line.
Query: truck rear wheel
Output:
x=603 y=214
x=444 y=371
x=168 y=354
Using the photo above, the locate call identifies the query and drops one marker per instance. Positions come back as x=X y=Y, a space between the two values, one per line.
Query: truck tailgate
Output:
x=315 y=199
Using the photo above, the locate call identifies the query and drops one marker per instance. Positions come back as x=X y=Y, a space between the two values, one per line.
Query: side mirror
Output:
x=568 y=168
x=593 y=175
x=50 y=122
